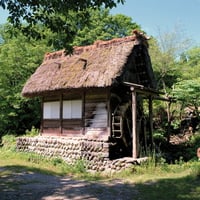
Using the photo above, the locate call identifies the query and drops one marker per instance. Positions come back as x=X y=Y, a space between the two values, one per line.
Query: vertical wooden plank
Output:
x=145 y=135
x=134 y=125
x=42 y=117
x=109 y=114
x=151 y=121
x=61 y=113
x=83 y=112
x=144 y=126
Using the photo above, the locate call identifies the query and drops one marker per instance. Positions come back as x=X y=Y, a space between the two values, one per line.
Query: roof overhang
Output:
x=154 y=94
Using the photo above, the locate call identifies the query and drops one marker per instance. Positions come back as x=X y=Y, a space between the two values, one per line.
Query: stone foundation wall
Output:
x=94 y=152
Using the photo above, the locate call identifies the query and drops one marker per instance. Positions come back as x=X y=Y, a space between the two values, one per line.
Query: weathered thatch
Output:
x=89 y=66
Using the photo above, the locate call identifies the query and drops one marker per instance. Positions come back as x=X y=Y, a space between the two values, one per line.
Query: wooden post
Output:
x=61 y=114
x=145 y=135
x=109 y=113
x=42 y=117
x=83 y=112
x=151 y=121
x=134 y=125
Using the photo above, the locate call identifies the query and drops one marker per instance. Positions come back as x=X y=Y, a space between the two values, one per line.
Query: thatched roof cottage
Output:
x=96 y=92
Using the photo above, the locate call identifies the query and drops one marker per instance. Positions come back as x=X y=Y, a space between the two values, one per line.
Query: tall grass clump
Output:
x=195 y=168
x=33 y=132
x=9 y=143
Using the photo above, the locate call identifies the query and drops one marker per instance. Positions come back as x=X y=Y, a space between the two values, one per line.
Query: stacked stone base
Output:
x=95 y=153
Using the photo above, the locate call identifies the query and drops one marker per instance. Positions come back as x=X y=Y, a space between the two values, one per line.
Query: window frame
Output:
x=51 y=110
x=72 y=109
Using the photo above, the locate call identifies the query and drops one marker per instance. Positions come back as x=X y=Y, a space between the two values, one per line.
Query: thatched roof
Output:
x=89 y=66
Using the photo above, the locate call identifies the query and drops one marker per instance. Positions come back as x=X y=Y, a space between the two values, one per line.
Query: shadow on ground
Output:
x=30 y=185
x=20 y=183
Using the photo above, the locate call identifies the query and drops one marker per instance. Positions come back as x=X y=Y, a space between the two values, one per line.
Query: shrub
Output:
x=33 y=132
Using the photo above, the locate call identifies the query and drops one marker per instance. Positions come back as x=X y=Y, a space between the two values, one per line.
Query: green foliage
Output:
x=165 y=51
x=33 y=132
x=190 y=64
x=187 y=91
x=192 y=146
x=159 y=136
x=9 y=143
x=195 y=169
x=176 y=69
x=103 y=26
x=195 y=139
x=80 y=166
x=64 y=18
x=18 y=60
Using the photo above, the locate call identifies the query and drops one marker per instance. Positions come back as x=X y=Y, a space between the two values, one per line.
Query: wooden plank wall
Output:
x=95 y=106
x=74 y=127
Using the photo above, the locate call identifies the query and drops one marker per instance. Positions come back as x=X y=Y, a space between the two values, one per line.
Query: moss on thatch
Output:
x=89 y=66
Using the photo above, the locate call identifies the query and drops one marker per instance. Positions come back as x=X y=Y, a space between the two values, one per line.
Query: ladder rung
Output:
x=116 y=123
x=116 y=130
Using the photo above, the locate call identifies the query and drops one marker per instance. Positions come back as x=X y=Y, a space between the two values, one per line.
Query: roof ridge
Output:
x=137 y=36
x=97 y=44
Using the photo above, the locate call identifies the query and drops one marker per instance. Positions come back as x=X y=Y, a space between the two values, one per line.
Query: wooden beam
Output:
x=151 y=120
x=134 y=125
x=164 y=98
x=143 y=90
x=136 y=86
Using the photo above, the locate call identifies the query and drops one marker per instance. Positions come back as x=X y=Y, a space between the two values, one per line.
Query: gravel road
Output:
x=37 y=186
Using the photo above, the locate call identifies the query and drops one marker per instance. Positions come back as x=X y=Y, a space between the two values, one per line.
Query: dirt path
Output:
x=36 y=186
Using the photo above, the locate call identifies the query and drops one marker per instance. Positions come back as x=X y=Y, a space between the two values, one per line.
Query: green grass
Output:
x=161 y=181
x=10 y=158
x=171 y=188
x=180 y=181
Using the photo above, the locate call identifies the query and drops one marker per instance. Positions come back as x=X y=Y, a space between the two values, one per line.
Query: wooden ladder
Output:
x=117 y=126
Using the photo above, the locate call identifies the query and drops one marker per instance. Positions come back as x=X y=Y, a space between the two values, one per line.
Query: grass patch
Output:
x=183 y=188
x=152 y=180
x=164 y=182
x=20 y=161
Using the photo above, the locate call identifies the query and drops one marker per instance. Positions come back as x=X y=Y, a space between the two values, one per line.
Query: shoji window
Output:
x=72 y=109
x=51 y=110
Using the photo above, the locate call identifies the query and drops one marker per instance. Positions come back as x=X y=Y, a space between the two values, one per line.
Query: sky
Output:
x=155 y=15
x=164 y=15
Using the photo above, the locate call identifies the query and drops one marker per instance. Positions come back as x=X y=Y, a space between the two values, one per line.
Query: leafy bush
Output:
x=158 y=137
x=195 y=169
x=33 y=132
x=192 y=146
x=79 y=166
x=9 y=142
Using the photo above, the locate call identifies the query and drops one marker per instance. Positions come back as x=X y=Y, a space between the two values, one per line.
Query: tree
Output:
x=165 y=53
x=190 y=64
x=187 y=91
x=64 y=18
x=104 y=26
x=18 y=60
x=187 y=87
x=187 y=94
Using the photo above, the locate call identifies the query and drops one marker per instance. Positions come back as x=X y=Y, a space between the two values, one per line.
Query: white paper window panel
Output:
x=72 y=109
x=51 y=110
